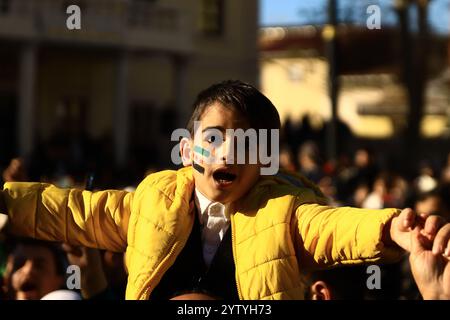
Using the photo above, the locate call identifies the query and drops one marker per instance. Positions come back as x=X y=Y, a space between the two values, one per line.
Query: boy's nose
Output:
x=225 y=151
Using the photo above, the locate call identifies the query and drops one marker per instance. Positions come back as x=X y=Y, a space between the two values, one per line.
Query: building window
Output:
x=212 y=17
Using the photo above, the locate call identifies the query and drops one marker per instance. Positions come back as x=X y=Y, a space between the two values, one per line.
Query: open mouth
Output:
x=27 y=291
x=26 y=287
x=224 y=177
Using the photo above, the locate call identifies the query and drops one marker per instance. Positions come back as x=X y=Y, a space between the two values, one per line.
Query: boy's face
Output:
x=220 y=181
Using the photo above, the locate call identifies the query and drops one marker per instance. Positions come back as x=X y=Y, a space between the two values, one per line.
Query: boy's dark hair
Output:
x=246 y=99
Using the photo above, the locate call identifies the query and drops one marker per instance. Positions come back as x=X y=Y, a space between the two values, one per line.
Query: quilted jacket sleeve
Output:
x=327 y=236
x=92 y=219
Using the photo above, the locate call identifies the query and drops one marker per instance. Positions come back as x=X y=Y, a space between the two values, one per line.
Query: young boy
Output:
x=216 y=227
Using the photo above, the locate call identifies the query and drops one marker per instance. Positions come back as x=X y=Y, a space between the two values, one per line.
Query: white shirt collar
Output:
x=210 y=208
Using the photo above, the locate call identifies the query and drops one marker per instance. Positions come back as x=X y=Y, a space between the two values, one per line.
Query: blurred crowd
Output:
x=359 y=178
x=33 y=269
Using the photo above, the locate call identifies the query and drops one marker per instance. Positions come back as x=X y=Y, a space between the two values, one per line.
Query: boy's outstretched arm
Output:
x=43 y=211
x=327 y=236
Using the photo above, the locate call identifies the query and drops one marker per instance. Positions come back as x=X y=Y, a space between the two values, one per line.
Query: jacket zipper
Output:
x=170 y=261
x=233 y=242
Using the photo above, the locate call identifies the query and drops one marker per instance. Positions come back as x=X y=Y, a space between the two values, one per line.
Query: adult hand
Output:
x=402 y=225
x=430 y=269
x=16 y=171
x=93 y=279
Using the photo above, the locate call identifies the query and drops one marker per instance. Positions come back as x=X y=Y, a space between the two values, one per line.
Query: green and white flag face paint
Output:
x=199 y=155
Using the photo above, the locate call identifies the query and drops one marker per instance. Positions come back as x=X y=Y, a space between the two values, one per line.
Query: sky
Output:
x=298 y=12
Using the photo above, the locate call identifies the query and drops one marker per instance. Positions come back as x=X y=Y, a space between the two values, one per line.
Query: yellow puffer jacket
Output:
x=278 y=229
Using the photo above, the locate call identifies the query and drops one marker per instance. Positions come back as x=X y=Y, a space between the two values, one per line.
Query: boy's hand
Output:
x=402 y=225
x=430 y=271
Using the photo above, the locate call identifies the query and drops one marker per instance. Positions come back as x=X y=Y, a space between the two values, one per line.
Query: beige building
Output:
x=294 y=73
x=132 y=70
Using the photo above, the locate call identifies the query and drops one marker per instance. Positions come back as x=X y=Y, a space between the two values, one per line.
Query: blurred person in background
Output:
x=3 y=253
x=445 y=175
x=341 y=283
x=355 y=176
x=364 y=169
x=360 y=194
x=102 y=273
x=429 y=202
x=34 y=269
x=376 y=199
x=115 y=271
x=382 y=197
x=426 y=180
x=328 y=187
x=445 y=198
x=308 y=158
x=430 y=275
x=16 y=171
x=398 y=193
x=287 y=161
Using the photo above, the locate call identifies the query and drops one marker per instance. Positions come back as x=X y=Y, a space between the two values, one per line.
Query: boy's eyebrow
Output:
x=220 y=128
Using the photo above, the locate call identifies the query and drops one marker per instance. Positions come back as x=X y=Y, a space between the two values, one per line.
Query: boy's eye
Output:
x=211 y=138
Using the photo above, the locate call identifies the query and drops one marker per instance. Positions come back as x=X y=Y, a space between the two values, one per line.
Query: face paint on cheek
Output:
x=199 y=155
x=201 y=151
x=198 y=167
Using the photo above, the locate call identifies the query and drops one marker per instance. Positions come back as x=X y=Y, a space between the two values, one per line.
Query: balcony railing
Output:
x=128 y=23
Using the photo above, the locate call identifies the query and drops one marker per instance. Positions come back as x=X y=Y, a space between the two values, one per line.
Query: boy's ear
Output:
x=186 y=151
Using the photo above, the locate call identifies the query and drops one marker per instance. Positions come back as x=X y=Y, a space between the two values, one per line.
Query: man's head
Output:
x=34 y=268
x=228 y=105
x=429 y=202
x=342 y=283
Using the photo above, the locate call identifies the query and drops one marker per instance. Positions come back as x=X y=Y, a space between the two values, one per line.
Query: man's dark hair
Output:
x=240 y=96
x=58 y=254
x=346 y=282
x=422 y=196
